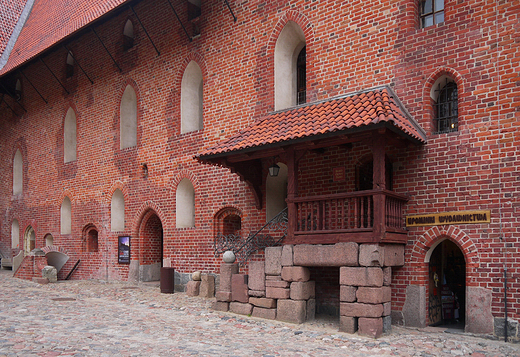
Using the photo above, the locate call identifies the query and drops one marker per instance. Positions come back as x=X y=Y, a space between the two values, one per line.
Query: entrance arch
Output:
x=150 y=247
x=446 y=284
x=29 y=240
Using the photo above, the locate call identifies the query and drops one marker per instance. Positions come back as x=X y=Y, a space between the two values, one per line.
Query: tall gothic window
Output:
x=301 y=73
x=446 y=108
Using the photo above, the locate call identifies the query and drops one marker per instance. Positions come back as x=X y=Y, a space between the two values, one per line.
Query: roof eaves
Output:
x=16 y=32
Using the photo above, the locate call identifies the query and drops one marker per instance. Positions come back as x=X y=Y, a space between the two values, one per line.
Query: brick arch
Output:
x=143 y=212
x=266 y=63
x=66 y=193
x=197 y=58
x=220 y=216
x=425 y=242
x=181 y=176
x=142 y=247
x=116 y=185
x=117 y=119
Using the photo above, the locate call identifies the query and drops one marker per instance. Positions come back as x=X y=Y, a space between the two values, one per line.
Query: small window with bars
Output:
x=446 y=108
x=301 y=85
x=432 y=12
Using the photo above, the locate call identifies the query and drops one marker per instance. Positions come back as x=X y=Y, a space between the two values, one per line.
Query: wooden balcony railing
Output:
x=361 y=216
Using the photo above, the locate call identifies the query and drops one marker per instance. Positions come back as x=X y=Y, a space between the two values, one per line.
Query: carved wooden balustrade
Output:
x=361 y=216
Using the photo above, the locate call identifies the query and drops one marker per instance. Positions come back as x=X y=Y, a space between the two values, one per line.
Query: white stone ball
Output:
x=196 y=276
x=228 y=257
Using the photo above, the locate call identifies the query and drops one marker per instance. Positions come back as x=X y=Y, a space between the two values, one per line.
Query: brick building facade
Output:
x=124 y=119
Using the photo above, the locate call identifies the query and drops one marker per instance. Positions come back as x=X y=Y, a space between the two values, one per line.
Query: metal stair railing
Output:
x=269 y=235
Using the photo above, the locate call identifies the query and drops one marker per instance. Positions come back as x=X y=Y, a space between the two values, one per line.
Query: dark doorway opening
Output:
x=447 y=286
x=327 y=293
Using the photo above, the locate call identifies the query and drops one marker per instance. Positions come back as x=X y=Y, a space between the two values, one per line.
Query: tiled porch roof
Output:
x=50 y=22
x=363 y=110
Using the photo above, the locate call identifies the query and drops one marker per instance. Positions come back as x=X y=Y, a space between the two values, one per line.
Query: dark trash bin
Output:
x=167 y=280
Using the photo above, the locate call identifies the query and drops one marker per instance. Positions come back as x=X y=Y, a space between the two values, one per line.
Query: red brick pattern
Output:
x=11 y=11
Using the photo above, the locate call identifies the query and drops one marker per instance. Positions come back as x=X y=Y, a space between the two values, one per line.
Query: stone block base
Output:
x=371 y=327
x=294 y=311
x=193 y=288
x=240 y=308
x=348 y=324
x=264 y=313
x=220 y=306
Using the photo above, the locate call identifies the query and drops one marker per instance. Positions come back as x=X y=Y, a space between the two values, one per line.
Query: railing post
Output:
x=379 y=215
x=292 y=182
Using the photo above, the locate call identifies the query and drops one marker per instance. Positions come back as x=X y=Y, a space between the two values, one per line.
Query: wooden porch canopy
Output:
x=374 y=116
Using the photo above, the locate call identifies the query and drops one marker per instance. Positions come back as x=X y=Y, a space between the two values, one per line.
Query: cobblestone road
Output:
x=95 y=318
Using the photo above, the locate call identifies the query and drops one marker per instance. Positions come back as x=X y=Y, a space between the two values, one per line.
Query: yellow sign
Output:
x=439 y=219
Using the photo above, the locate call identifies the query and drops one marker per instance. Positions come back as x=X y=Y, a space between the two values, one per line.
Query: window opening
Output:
x=446 y=108
x=69 y=130
x=301 y=86
x=69 y=71
x=117 y=211
x=15 y=234
x=17 y=173
x=432 y=12
x=194 y=10
x=128 y=118
x=185 y=204
x=29 y=240
x=49 y=240
x=66 y=216
x=228 y=221
x=18 y=90
x=92 y=241
x=128 y=35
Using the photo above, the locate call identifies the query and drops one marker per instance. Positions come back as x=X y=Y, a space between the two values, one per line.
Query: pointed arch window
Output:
x=290 y=56
x=128 y=118
x=17 y=173
x=185 y=204
x=18 y=90
x=191 y=99
x=69 y=68
x=15 y=234
x=117 y=211
x=128 y=35
x=66 y=216
x=446 y=106
x=69 y=136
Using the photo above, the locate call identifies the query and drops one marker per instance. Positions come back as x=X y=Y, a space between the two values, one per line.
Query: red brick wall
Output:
x=350 y=46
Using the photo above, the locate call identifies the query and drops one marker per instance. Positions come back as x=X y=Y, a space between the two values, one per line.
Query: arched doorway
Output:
x=447 y=285
x=151 y=247
x=29 y=240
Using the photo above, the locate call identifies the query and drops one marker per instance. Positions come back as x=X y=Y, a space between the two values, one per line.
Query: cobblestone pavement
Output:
x=96 y=318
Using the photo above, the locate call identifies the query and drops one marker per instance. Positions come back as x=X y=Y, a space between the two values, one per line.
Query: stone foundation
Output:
x=280 y=288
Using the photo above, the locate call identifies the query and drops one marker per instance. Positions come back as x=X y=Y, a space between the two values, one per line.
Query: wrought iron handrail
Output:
x=243 y=248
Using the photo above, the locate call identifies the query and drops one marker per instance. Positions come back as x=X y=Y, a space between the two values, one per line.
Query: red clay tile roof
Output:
x=10 y=11
x=51 y=21
x=357 y=111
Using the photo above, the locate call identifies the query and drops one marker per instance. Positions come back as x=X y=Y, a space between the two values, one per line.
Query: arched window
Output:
x=128 y=35
x=66 y=216
x=193 y=9
x=228 y=221
x=92 y=240
x=191 y=98
x=15 y=234
x=69 y=68
x=17 y=173
x=69 y=136
x=444 y=94
x=128 y=118
x=185 y=204
x=289 y=67
x=18 y=90
x=276 y=192
x=117 y=212
x=29 y=240
x=49 y=240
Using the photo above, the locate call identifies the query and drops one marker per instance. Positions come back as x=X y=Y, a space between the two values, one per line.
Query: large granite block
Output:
x=355 y=309
x=393 y=255
x=348 y=324
x=240 y=308
x=239 y=290
x=294 y=311
x=303 y=290
x=207 y=286
x=287 y=255
x=369 y=295
x=361 y=276
x=337 y=255
x=264 y=313
x=277 y=293
x=296 y=273
x=263 y=302
x=371 y=255
x=256 y=275
x=347 y=293
x=371 y=327
x=226 y=272
x=193 y=288
x=273 y=260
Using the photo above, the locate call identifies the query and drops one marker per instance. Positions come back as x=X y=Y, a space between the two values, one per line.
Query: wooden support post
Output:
x=379 y=183
x=292 y=185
